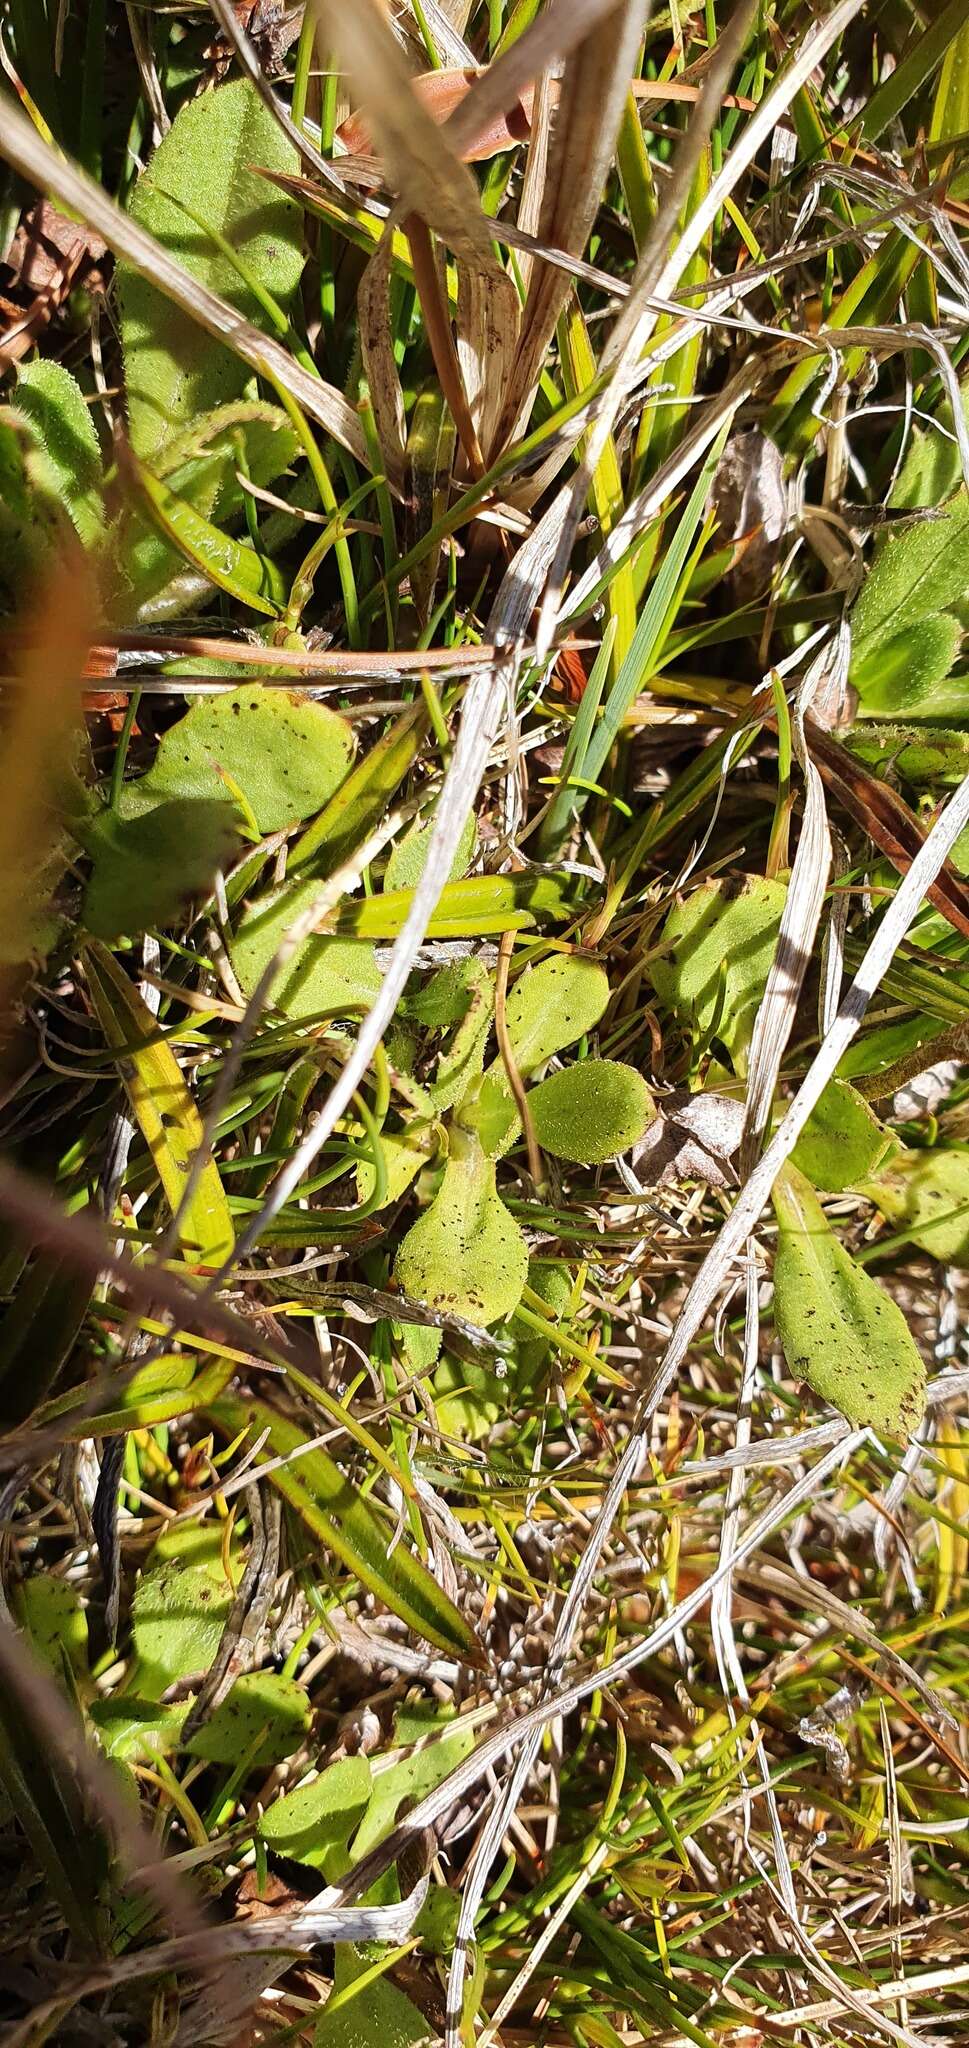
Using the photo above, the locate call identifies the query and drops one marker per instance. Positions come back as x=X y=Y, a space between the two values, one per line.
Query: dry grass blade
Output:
x=656 y=278
x=799 y=924
x=546 y=42
x=593 y=89
x=420 y=165
x=36 y=160
x=229 y=22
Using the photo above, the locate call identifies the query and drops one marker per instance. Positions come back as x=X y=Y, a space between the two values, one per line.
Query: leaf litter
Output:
x=516 y=565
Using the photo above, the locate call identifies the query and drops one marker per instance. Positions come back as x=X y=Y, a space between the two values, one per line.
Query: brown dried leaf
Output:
x=420 y=162
x=593 y=90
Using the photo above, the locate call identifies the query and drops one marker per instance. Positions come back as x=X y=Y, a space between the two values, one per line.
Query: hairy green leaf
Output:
x=146 y=869
x=718 y=945
x=314 y=1824
x=325 y=974
x=408 y=858
x=208 y=163
x=282 y=752
x=916 y=574
x=263 y=1717
x=466 y=1253
x=840 y=1332
x=591 y=1111
x=178 y=1614
x=925 y=1196
x=904 y=677
x=51 y=399
x=842 y=1141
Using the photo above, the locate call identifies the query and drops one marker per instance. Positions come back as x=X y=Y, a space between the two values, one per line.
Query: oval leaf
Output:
x=552 y=1005
x=717 y=950
x=263 y=1717
x=324 y=974
x=283 y=752
x=592 y=1111
x=839 y=1331
x=842 y=1142
x=925 y=1195
x=146 y=869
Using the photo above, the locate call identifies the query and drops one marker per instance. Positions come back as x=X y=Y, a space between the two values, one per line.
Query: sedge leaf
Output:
x=169 y=1121
x=343 y=1520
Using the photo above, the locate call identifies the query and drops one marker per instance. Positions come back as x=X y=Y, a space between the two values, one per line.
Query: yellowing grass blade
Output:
x=166 y=1115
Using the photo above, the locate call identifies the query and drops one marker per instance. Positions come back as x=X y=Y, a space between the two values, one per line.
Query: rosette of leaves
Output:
x=466 y=1253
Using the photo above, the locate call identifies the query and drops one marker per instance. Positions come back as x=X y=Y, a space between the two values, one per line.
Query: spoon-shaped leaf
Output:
x=840 y=1332
x=718 y=947
x=466 y=1253
x=842 y=1142
x=207 y=167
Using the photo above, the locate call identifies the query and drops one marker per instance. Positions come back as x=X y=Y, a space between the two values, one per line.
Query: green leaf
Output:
x=200 y=467
x=29 y=521
x=461 y=1058
x=409 y=857
x=324 y=974
x=903 y=677
x=466 y=1253
x=376 y=2016
x=146 y=869
x=313 y=1824
x=925 y=1196
x=49 y=1610
x=209 y=161
x=718 y=946
x=131 y=1728
x=916 y=66
x=654 y=619
x=362 y=798
x=283 y=752
x=342 y=1519
x=178 y=1614
x=932 y=756
x=591 y=1111
x=842 y=1141
x=552 y=1005
x=476 y=906
x=232 y=565
x=413 y=1776
x=50 y=398
x=840 y=1332
x=915 y=574
x=405 y=1153
x=169 y=1121
x=264 y=1717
